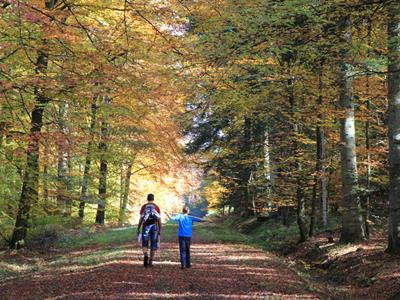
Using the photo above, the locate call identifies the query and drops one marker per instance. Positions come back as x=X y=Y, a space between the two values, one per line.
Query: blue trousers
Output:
x=184 y=250
x=150 y=235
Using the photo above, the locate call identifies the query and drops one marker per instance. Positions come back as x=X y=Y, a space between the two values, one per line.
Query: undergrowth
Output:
x=270 y=235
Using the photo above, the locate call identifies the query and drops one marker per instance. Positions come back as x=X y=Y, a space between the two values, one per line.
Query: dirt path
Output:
x=219 y=271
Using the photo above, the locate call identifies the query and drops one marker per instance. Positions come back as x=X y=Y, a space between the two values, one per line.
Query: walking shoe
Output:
x=146 y=261
x=150 y=262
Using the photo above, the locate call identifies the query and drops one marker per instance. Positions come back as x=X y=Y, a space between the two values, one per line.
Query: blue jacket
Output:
x=185 y=224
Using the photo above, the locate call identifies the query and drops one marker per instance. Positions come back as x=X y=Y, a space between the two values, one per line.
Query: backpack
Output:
x=150 y=214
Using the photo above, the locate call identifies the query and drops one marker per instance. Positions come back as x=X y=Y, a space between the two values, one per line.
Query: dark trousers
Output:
x=184 y=249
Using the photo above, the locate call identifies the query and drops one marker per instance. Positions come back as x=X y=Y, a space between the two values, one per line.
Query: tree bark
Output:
x=245 y=170
x=301 y=210
x=88 y=160
x=320 y=179
x=64 y=186
x=365 y=200
x=2 y=130
x=47 y=207
x=353 y=225
x=394 y=126
x=30 y=183
x=284 y=211
x=103 y=147
x=321 y=157
x=313 y=216
x=300 y=197
x=125 y=199
x=121 y=186
x=267 y=161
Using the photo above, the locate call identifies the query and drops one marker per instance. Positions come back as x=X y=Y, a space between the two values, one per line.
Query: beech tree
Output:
x=353 y=225
x=60 y=58
x=394 y=125
x=29 y=193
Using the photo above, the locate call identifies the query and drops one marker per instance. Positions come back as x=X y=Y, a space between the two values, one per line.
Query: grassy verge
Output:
x=270 y=235
x=86 y=237
x=106 y=241
x=219 y=232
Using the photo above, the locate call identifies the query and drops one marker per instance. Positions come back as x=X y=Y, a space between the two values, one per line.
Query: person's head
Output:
x=186 y=209
x=150 y=197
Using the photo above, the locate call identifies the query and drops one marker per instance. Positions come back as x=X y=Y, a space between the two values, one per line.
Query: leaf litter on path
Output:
x=219 y=271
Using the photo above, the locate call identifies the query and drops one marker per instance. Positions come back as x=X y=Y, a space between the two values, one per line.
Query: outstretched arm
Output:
x=174 y=218
x=196 y=219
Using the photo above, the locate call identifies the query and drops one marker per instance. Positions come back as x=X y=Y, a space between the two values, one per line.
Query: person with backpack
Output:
x=150 y=221
x=184 y=234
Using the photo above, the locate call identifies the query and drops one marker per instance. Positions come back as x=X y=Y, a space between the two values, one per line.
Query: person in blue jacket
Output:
x=184 y=234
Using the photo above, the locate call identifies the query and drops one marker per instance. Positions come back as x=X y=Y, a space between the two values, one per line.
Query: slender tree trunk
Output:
x=88 y=161
x=125 y=200
x=301 y=210
x=121 y=186
x=251 y=192
x=366 y=195
x=267 y=162
x=285 y=215
x=321 y=157
x=103 y=147
x=320 y=179
x=69 y=186
x=64 y=180
x=245 y=170
x=394 y=126
x=313 y=215
x=47 y=207
x=30 y=183
x=353 y=225
x=2 y=131
x=300 y=197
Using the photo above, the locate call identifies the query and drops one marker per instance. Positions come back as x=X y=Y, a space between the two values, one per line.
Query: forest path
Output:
x=219 y=271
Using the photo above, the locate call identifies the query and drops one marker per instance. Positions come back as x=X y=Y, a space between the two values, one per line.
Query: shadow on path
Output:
x=219 y=271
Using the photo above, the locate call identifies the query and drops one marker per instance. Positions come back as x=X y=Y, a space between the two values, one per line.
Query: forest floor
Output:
x=350 y=271
x=219 y=271
x=107 y=264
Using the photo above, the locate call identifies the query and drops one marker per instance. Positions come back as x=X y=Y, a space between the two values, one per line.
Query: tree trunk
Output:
x=267 y=162
x=353 y=225
x=88 y=161
x=285 y=215
x=245 y=170
x=394 y=126
x=366 y=195
x=125 y=199
x=301 y=210
x=121 y=187
x=300 y=197
x=47 y=207
x=320 y=179
x=313 y=216
x=2 y=131
x=63 y=175
x=321 y=157
x=103 y=147
x=30 y=183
